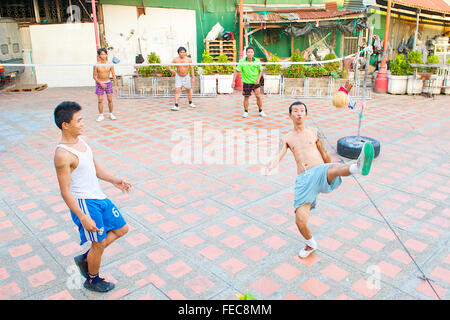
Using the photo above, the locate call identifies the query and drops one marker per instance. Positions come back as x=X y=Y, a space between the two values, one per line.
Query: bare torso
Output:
x=103 y=73
x=182 y=71
x=304 y=148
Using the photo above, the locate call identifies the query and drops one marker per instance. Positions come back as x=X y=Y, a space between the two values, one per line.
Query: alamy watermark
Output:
x=373 y=282
x=208 y=146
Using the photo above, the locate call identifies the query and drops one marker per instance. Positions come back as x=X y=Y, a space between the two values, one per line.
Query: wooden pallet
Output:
x=28 y=88
x=219 y=47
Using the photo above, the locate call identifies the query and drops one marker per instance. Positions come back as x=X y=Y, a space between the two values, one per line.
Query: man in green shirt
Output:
x=251 y=75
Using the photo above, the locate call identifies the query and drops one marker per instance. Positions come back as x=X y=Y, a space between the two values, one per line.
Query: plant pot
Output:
x=319 y=86
x=165 y=85
x=438 y=84
x=414 y=85
x=224 y=83
x=293 y=86
x=446 y=83
x=397 y=84
x=272 y=83
x=145 y=84
x=208 y=84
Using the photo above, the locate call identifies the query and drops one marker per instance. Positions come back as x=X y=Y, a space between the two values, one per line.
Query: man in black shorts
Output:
x=251 y=75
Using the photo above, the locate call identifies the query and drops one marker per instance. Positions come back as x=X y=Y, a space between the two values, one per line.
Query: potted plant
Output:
x=319 y=84
x=208 y=76
x=154 y=78
x=144 y=81
x=331 y=66
x=294 y=75
x=273 y=76
x=446 y=82
x=224 y=75
x=398 y=79
x=414 y=84
x=436 y=77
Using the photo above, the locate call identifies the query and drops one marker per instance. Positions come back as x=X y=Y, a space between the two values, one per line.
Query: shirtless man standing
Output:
x=316 y=173
x=104 y=85
x=182 y=78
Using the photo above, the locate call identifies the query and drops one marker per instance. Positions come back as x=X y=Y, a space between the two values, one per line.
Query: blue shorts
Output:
x=312 y=182
x=105 y=215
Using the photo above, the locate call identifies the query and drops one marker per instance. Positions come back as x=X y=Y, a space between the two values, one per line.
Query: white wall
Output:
x=159 y=30
x=68 y=43
x=168 y=29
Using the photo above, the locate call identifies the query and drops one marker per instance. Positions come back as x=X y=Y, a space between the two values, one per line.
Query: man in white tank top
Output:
x=97 y=218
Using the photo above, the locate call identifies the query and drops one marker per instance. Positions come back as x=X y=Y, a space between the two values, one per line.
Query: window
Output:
x=16 y=48
x=4 y=49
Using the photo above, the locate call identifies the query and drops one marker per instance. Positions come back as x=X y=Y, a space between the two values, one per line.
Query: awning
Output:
x=429 y=6
x=328 y=12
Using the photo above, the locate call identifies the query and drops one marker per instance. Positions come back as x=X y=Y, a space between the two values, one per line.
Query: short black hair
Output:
x=249 y=48
x=297 y=103
x=181 y=49
x=64 y=112
x=100 y=51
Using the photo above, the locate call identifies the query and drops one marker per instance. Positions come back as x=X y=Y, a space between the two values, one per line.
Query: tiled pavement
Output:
x=209 y=231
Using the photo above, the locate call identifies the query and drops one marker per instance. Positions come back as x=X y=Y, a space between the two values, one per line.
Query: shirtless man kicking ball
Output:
x=316 y=173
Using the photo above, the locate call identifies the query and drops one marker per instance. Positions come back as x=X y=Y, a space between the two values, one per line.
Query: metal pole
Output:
x=36 y=11
x=417 y=30
x=366 y=71
x=238 y=80
x=71 y=11
x=94 y=13
x=381 y=82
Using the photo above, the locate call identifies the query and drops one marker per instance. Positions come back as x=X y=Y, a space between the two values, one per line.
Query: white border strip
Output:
x=284 y=63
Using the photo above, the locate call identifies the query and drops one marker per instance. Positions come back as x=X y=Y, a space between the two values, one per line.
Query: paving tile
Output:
x=209 y=231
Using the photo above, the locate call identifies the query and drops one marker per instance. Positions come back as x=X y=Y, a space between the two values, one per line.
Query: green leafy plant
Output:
x=154 y=71
x=400 y=67
x=207 y=58
x=316 y=72
x=223 y=69
x=334 y=74
x=415 y=57
x=295 y=70
x=433 y=60
x=273 y=69
x=331 y=66
x=246 y=296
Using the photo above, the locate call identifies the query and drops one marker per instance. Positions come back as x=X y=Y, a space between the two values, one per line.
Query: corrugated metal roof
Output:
x=330 y=11
x=358 y=5
x=431 y=5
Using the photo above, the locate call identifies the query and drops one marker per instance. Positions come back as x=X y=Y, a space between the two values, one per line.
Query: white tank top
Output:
x=84 y=183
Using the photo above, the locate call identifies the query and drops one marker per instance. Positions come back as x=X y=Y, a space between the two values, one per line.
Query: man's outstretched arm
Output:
x=321 y=147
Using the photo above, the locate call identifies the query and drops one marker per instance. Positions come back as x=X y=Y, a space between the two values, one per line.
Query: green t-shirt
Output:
x=250 y=71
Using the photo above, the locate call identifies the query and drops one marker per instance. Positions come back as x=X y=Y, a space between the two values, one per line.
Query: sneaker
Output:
x=99 y=286
x=82 y=265
x=174 y=108
x=262 y=114
x=100 y=118
x=112 y=117
x=245 y=114
x=365 y=158
x=305 y=253
x=192 y=105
